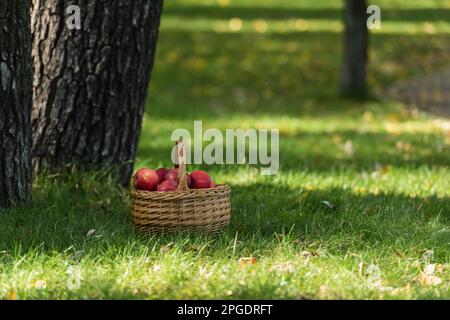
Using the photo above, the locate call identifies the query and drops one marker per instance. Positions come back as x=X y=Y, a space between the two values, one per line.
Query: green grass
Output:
x=335 y=222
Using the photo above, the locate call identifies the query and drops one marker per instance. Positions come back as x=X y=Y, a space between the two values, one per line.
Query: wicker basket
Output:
x=206 y=210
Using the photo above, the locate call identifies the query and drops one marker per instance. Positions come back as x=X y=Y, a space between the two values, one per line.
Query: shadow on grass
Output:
x=263 y=213
x=338 y=219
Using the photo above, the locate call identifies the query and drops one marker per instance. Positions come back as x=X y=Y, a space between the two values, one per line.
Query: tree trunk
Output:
x=90 y=85
x=16 y=73
x=355 y=47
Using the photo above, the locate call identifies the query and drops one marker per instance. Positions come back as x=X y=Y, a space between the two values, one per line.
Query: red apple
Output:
x=167 y=185
x=146 y=179
x=162 y=173
x=200 y=179
x=213 y=185
x=172 y=175
x=189 y=180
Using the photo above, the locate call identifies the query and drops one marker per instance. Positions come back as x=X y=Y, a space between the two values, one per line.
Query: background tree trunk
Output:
x=90 y=85
x=16 y=72
x=355 y=47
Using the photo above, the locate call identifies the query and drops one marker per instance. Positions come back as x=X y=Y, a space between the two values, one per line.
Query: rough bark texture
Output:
x=90 y=85
x=355 y=47
x=16 y=72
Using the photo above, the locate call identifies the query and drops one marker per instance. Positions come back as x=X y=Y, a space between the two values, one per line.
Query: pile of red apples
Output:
x=166 y=180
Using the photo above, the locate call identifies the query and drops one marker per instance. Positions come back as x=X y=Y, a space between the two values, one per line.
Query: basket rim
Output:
x=219 y=190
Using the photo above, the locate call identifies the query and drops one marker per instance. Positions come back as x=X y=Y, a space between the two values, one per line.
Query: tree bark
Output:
x=90 y=85
x=16 y=72
x=356 y=38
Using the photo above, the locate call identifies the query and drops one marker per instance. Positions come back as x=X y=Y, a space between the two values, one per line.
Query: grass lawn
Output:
x=359 y=209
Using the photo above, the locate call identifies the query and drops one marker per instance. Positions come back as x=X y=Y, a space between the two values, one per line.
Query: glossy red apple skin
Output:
x=172 y=175
x=146 y=179
x=213 y=185
x=200 y=179
x=162 y=173
x=167 y=185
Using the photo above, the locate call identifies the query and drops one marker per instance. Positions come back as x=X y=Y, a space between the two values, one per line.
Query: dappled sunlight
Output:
x=360 y=206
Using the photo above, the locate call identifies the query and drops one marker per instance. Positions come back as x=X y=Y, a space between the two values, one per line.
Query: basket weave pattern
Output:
x=206 y=210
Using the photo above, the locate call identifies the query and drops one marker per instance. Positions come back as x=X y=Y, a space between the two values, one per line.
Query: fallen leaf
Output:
x=246 y=261
x=12 y=295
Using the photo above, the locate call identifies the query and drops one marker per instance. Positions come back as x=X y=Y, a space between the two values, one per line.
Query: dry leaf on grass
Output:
x=246 y=261
x=12 y=295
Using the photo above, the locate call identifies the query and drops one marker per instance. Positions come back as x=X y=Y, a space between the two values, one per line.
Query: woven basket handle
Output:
x=182 y=183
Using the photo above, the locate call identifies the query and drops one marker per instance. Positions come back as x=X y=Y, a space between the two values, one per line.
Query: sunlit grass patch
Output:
x=359 y=209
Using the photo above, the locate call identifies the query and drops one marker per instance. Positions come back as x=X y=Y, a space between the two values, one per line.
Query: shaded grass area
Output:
x=358 y=210
x=301 y=244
